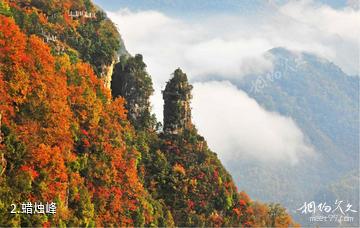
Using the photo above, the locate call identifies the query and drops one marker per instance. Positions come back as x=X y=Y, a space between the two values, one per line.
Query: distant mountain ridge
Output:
x=316 y=88
x=324 y=102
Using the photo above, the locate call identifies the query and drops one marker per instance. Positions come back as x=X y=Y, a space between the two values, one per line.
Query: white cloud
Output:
x=228 y=58
x=232 y=45
x=341 y=22
x=336 y=32
x=168 y=43
x=235 y=126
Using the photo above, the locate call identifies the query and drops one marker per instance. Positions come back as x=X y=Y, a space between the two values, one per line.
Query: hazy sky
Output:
x=111 y=5
x=227 y=39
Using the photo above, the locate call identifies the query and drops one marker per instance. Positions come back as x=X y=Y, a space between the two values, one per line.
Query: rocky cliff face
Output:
x=108 y=70
x=107 y=73
x=131 y=81
x=177 y=111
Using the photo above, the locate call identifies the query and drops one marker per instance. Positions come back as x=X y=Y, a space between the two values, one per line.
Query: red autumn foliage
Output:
x=29 y=170
x=51 y=103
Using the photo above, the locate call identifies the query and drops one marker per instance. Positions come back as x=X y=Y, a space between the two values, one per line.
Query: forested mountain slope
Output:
x=99 y=155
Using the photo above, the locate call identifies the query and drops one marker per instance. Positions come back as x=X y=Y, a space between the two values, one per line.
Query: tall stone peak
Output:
x=131 y=81
x=177 y=96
